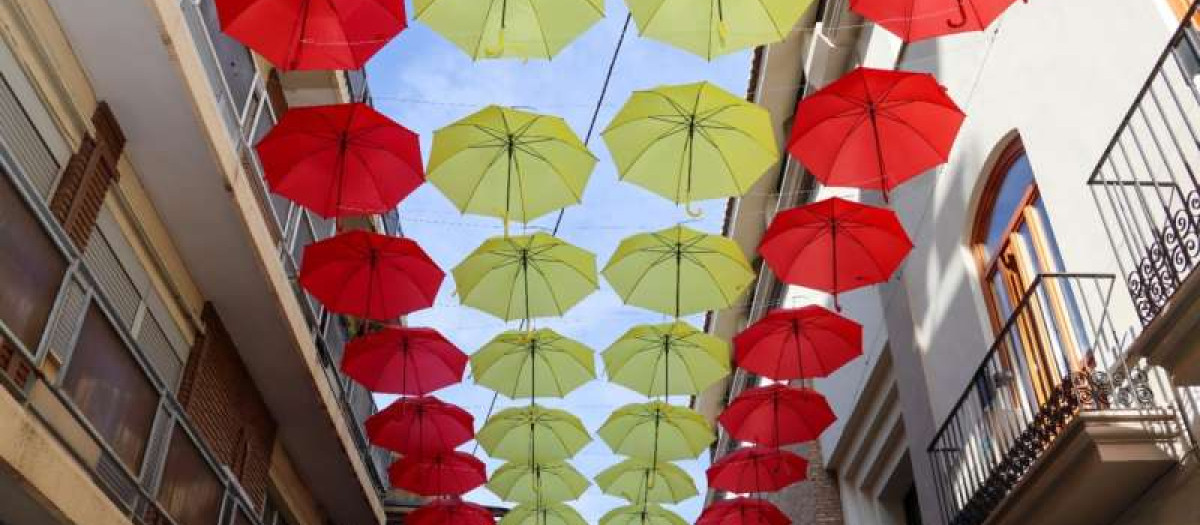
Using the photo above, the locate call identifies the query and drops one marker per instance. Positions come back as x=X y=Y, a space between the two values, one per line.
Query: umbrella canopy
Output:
x=714 y=28
x=777 y=415
x=692 y=142
x=642 y=514
x=341 y=160
x=450 y=512
x=679 y=271
x=420 y=426
x=540 y=363
x=543 y=514
x=510 y=164
x=522 y=277
x=532 y=482
x=370 y=275
x=835 y=245
x=510 y=28
x=441 y=474
x=875 y=129
x=640 y=481
x=757 y=469
x=314 y=34
x=667 y=359
x=798 y=343
x=914 y=20
x=403 y=360
x=743 y=511
x=533 y=433
x=657 y=431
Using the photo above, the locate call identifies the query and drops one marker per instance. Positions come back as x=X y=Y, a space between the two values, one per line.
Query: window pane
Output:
x=1008 y=199
x=31 y=269
x=190 y=491
x=110 y=389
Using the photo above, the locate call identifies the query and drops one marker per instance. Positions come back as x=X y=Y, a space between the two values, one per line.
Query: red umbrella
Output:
x=420 y=426
x=441 y=474
x=913 y=20
x=835 y=245
x=450 y=512
x=777 y=415
x=757 y=469
x=370 y=275
x=340 y=160
x=313 y=34
x=743 y=511
x=405 y=361
x=875 y=129
x=798 y=343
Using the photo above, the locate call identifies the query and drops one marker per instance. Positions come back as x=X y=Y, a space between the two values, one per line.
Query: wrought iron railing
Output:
x=1058 y=354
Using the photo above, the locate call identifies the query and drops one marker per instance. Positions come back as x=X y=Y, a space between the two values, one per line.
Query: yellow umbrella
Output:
x=667 y=359
x=657 y=431
x=540 y=363
x=692 y=142
x=525 y=276
x=510 y=28
x=532 y=482
x=643 y=514
x=533 y=433
x=640 y=481
x=679 y=271
x=510 y=164
x=711 y=28
x=544 y=514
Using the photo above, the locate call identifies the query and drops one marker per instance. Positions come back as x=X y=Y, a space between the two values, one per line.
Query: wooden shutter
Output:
x=1181 y=8
x=275 y=93
x=91 y=170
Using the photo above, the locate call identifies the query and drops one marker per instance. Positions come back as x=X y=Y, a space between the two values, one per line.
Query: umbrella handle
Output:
x=962 y=13
x=694 y=213
x=723 y=30
x=495 y=51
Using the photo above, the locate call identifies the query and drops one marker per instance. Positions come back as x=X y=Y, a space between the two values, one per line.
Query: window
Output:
x=31 y=268
x=191 y=492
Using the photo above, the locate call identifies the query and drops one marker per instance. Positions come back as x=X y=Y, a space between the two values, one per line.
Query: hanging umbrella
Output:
x=757 y=469
x=441 y=474
x=777 y=415
x=420 y=426
x=667 y=359
x=743 y=511
x=370 y=275
x=540 y=363
x=692 y=142
x=510 y=28
x=657 y=431
x=313 y=34
x=405 y=361
x=532 y=482
x=533 y=433
x=522 y=277
x=835 y=245
x=341 y=160
x=542 y=514
x=679 y=271
x=914 y=20
x=642 y=514
x=714 y=28
x=510 y=164
x=799 y=343
x=450 y=512
x=875 y=129
x=640 y=481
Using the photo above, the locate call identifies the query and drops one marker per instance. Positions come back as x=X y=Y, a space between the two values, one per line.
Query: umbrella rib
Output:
x=915 y=132
x=541 y=30
x=651 y=143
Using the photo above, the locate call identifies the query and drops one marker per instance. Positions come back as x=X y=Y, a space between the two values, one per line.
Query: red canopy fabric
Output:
x=875 y=129
x=341 y=160
x=914 y=20
x=835 y=245
x=420 y=426
x=777 y=415
x=441 y=474
x=405 y=361
x=798 y=343
x=757 y=469
x=370 y=275
x=743 y=511
x=450 y=512
x=313 y=34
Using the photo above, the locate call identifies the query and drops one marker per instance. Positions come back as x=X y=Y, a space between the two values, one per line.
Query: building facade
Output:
x=1034 y=360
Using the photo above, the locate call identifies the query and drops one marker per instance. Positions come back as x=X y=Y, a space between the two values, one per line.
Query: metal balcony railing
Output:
x=1057 y=354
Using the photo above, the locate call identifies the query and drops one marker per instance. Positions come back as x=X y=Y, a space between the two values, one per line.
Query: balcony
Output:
x=1057 y=408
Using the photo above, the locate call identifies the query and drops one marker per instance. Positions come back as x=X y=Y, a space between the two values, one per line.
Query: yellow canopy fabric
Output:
x=711 y=28
x=544 y=514
x=667 y=359
x=532 y=482
x=643 y=514
x=533 y=433
x=540 y=363
x=525 y=276
x=657 y=431
x=510 y=28
x=640 y=481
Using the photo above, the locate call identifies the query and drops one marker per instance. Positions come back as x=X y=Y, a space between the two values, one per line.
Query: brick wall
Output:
x=225 y=406
x=815 y=501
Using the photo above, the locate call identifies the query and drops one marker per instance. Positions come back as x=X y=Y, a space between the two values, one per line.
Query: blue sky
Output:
x=424 y=82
